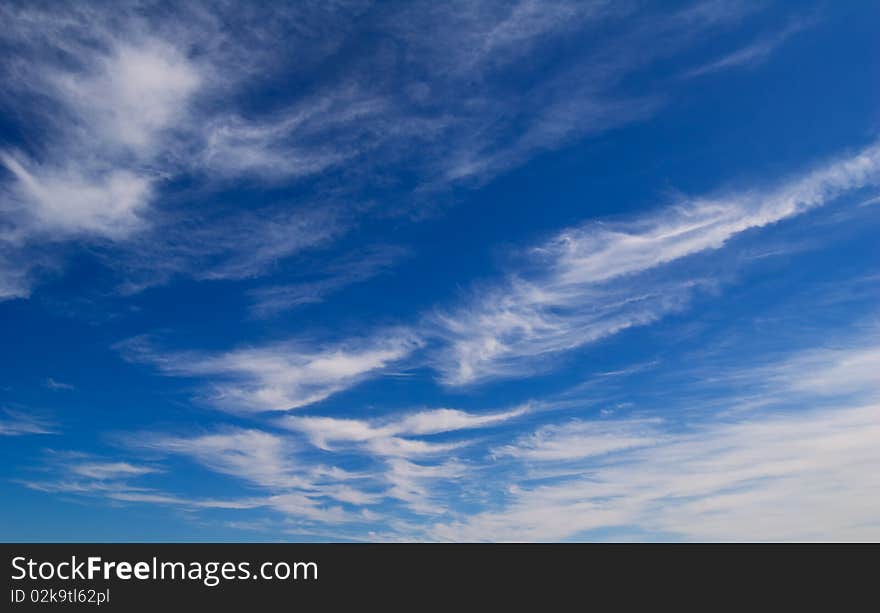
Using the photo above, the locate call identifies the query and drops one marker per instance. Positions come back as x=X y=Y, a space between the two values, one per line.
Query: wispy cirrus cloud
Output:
x=106 y=204
x=325 y=279
x=117 y=98
x=90 y=173
x=258 y=458
x=54 y=384
x=18 y=423
x=752 y=54
x=583 y=284
x=103 y=471
x=305 y=139
x=113 y=481
x=286 y=479
x=224 y=245
x=831 y=371
x=280 y=376
x=393 y=437
x=87 y=474
x=577 y=440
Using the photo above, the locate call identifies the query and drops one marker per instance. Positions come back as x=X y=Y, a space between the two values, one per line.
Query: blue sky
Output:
x=418 y=271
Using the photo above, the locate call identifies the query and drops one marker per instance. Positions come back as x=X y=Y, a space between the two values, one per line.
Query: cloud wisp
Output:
x=589 y=282
x=365 y=264
x=752 y=54
x=393 y=437
x=280 y=376
x=18 y=423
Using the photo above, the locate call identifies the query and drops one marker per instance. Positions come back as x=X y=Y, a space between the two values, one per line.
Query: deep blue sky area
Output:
x=472 y=271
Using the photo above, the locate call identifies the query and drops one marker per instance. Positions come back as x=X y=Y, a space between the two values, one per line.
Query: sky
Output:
x=464 y=271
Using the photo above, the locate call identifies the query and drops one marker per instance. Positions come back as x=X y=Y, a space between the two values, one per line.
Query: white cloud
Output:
x=421 y=474
x=253 y=455
x=421 y=486
x=331 y=277
x=112 y=110
x=752 y=54
x=447 y=420
x=85 y=475
x=582 y=284
x=103 y=471
x=282 y=376
x=52 y=384
x=288 y=482
x=106 y=100
x=577 y=440
x=118 y=490
x=18 y=423
x=472 y=38
x=832 y=371
x=76 y=202
x=131 y=94
x=14 y=279
x=315 y=134
x=224 y=245
x=389 y=436
x=477 y=48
